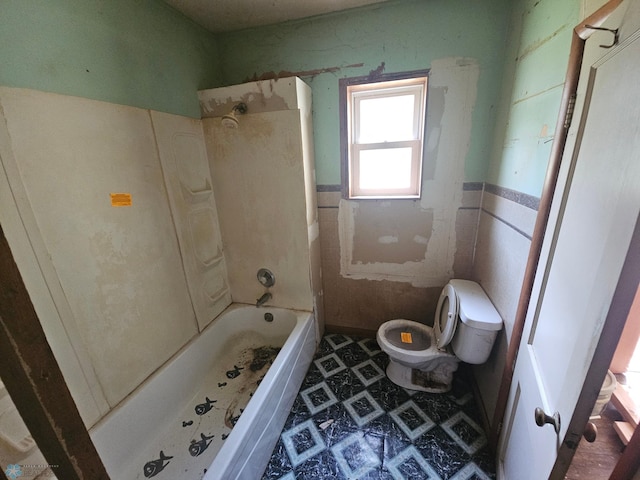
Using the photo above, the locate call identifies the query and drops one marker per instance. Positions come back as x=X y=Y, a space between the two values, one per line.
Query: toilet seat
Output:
x=446 y=319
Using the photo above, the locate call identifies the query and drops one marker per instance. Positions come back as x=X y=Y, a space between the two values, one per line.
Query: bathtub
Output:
x=160 y=430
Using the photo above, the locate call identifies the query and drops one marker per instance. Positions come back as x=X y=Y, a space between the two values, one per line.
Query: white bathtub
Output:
x=152 y=418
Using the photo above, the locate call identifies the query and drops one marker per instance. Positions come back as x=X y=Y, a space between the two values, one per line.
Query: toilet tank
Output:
x=478 y=323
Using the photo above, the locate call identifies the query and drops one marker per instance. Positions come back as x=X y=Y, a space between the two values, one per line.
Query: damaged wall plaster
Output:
x=526 y=114
x=405 y=36
x=427 y=262
x=260 y=97
x=391 y=232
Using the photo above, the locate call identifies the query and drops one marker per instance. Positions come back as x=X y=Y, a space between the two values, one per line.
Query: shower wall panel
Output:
x=186 y=174
x=93 y=184
x=258 y=177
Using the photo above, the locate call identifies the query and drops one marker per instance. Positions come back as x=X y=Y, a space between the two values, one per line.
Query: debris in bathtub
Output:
x=235 y=372
x=229 y=419
x=324 y=425
x=196 y=448
x=262 y=356
x=154 y=467
x=223 y=384
x=203 y=408
x=233 y=420
x=187 y=424
x=260 y=379
x=225 y=436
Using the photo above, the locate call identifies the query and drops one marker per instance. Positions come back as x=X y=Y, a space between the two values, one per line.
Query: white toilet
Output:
x=424 y=358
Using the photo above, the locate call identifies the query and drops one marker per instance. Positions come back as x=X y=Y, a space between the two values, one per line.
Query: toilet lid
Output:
x=444 y=325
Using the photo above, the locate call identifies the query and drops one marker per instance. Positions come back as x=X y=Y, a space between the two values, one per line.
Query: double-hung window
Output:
x=383 y=145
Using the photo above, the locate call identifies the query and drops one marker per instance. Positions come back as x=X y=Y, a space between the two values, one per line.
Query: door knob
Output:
x=542 y=418
x=590 y=432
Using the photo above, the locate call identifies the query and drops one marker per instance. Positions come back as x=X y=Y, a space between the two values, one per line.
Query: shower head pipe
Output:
x=230 y=120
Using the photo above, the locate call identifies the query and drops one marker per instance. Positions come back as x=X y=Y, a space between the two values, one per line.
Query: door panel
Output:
x=526 y=440
x=585 y=247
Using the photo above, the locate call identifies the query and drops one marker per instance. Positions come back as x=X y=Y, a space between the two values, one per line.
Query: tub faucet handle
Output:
x=266 y=277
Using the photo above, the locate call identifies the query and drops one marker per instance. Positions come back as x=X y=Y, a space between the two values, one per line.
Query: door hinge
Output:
x=570 y=109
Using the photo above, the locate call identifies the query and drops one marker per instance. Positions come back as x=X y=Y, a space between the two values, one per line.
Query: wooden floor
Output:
x=596 y=460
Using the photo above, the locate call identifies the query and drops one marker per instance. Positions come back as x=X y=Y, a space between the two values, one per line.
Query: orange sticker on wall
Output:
x=120 y=199
x=405 y=337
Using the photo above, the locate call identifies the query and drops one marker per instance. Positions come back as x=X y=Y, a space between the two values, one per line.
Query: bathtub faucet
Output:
x=263 y=299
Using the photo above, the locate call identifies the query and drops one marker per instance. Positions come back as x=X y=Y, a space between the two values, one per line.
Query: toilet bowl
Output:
x=608 y=387
x=424 y=358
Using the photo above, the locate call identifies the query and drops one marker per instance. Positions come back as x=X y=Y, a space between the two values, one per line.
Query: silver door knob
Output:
x=542 y=419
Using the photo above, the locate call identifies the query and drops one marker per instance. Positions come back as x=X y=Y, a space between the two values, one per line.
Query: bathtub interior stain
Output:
x=255 y=359
x=231 y=420
x=263 y=356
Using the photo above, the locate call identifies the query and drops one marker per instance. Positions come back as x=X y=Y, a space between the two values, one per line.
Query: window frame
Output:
x=364 y=87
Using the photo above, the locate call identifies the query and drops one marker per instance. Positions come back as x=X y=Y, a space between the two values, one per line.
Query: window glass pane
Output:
x=387 y=168
x=386 y=119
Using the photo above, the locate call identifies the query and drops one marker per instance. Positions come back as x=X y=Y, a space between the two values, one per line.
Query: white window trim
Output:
x=355 y=93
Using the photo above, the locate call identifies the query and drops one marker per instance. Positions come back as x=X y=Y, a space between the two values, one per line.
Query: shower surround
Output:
x=115 y=220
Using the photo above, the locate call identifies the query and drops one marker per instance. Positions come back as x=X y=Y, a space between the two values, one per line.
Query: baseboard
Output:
x=358 y=332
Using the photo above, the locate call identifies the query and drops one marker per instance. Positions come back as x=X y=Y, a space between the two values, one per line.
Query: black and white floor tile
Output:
x=349 y=421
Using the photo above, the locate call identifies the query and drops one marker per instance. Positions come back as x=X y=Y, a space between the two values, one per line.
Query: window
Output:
x=382 y=126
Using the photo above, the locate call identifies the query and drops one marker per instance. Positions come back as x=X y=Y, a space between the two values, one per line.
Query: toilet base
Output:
x=438 y=380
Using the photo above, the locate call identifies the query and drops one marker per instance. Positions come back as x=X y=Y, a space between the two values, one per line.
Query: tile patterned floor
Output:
x=350 y=422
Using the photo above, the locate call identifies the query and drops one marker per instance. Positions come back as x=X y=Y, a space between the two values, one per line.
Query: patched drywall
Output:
x=391 y=232
x=415 y=241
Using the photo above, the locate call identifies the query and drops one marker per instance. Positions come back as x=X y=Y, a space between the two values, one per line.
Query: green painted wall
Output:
x=405 y=35
x=145 y=54
x=536 y=64
x=140 y=53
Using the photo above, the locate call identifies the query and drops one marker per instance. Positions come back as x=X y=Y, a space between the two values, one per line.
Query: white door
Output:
x=582 y=257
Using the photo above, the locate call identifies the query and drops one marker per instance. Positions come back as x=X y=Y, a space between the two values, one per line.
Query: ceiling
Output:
x=228 y=15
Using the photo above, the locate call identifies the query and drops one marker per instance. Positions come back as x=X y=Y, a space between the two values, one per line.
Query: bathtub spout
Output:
x=263 y=299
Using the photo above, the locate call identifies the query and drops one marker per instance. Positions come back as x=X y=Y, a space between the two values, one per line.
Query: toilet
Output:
x=464 y=329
